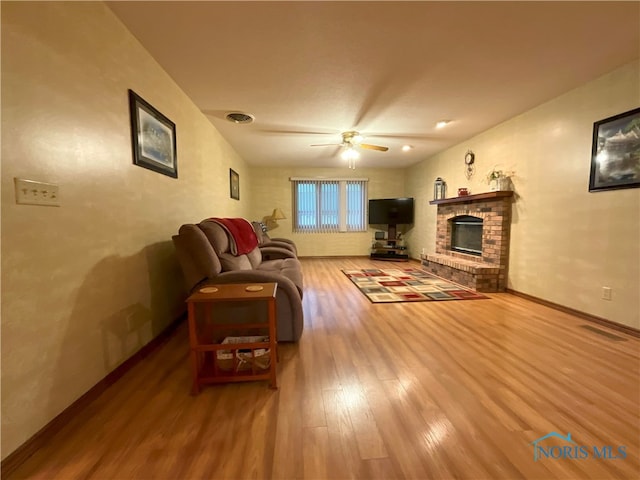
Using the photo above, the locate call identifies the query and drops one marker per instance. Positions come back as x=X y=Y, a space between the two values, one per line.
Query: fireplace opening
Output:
x=466 y=235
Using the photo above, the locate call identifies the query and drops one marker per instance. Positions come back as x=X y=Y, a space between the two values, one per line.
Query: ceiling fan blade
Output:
x=374 y=147
x=325 y=144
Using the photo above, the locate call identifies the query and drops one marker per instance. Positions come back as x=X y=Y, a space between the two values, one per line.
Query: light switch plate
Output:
x=30 y=192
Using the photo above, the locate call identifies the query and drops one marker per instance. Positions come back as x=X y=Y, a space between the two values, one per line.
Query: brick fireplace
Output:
x=485 y=269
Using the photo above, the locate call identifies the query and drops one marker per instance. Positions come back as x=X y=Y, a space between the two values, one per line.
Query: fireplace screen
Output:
x=466 y=235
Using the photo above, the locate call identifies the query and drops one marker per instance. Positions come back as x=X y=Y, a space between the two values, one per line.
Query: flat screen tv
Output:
x=391 y=211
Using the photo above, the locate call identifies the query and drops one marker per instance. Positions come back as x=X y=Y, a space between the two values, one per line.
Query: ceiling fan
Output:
x=350 y=140
x=353 y=139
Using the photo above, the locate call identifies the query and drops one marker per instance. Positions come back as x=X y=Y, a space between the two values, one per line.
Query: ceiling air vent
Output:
x=237 y=117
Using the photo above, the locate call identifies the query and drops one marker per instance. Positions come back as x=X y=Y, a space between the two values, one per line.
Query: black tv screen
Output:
x=392 y=211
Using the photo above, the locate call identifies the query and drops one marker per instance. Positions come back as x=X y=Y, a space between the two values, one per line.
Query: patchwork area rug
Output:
x=407 y=285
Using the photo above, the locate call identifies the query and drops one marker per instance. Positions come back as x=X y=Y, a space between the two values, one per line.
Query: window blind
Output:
x=329 y=205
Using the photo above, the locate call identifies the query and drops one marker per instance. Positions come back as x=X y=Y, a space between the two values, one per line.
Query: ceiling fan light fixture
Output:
x=350 y=153
x=239 y=117
x=443 y=123
x=406 y=148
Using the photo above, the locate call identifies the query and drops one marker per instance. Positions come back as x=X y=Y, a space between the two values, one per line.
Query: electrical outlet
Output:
x=606 y=293
x=30 y=192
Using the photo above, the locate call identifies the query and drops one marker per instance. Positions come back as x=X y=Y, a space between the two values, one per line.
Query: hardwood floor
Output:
x=430 y=390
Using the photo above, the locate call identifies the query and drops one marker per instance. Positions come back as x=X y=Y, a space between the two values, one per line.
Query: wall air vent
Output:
x=238 y=117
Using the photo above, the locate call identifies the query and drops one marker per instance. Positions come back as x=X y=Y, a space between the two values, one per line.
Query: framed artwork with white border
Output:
x=153 y=137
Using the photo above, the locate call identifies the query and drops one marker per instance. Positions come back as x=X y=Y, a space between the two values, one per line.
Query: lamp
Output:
x=272 y=220
x=278 y=214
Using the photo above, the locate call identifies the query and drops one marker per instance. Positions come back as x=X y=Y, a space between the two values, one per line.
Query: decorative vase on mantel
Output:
x=500 y=184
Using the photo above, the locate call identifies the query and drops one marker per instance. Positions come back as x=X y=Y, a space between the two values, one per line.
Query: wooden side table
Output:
x=205 y=336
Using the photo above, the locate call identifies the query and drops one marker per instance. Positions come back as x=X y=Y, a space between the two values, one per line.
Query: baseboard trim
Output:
x=44 y=435
x=585 y=316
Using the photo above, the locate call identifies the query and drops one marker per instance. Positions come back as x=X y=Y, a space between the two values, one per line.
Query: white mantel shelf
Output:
x=473 y=198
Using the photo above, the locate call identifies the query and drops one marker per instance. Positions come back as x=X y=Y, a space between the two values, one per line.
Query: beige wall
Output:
x=566 y=243
x=86 y=285
x=272 y=189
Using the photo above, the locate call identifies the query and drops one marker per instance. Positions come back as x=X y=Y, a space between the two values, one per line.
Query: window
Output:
x=331 y=205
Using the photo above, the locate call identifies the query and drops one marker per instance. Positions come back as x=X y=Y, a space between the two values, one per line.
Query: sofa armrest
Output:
x=291 y=243
x=284 y=240
x=285 y=245
x=273 y=253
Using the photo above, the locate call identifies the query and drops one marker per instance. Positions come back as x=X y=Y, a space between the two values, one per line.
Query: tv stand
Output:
x=384 y=253
x=391 y=250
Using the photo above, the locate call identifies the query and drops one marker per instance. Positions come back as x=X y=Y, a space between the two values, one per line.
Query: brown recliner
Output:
x=203 y=251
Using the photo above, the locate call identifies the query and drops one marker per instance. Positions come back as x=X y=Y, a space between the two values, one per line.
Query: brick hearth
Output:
x=484 y=273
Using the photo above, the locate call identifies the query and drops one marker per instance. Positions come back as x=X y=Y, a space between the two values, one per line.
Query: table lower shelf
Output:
x=390 y=255
x=211 y=369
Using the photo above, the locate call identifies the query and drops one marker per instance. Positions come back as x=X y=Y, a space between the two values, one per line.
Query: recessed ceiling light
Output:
x=443 y=123
x=406 y=148
x=239 y=117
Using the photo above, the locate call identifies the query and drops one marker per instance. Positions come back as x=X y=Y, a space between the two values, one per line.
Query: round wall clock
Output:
x=469 y=157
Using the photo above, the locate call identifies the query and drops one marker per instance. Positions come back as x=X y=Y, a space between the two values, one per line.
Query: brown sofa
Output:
x=204 y=252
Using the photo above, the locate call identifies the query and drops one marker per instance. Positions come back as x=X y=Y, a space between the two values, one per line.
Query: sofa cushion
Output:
x=217 y=236
x=234 y=262
x=255 y=257
x=288 y=267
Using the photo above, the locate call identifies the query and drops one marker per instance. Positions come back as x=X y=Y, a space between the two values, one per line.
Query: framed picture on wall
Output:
x=153 y=137
x=615 y=152
x=234 y=184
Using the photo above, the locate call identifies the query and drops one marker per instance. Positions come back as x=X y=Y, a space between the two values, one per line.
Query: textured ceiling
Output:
x=310 y=70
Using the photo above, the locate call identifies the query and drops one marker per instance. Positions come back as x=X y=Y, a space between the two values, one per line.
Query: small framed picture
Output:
x=234 y=184
x=615 y=152
x=153 y=137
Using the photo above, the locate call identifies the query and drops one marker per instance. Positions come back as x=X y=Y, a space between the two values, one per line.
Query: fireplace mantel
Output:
x=471 y=198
